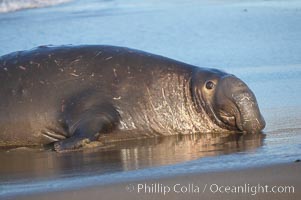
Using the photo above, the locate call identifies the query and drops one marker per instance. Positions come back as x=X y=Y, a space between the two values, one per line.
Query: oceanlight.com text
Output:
x=192 y=188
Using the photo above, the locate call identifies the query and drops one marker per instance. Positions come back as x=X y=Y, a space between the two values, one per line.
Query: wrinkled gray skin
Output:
x=71 y=95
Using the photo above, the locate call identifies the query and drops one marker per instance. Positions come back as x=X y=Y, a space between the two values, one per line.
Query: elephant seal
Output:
x=71 y=95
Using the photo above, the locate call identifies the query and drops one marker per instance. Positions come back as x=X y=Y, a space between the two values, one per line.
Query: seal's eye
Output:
x=210 y=85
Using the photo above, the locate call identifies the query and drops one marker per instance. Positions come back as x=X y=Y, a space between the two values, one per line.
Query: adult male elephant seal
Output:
x=71 y=95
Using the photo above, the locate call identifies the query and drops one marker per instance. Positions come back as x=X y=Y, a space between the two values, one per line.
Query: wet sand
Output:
x=256 y=183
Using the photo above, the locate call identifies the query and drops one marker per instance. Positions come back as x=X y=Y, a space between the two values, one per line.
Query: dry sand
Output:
x=254 y=180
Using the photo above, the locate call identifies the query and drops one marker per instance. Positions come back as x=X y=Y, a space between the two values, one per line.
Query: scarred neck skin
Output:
x=170 y=107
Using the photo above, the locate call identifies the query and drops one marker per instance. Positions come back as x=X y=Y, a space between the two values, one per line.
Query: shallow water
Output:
x=26 y=163
x=258 y=41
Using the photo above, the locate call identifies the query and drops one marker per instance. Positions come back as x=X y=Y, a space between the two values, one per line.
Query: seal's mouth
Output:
x=241 y=114
x=231 y=120
x=227 y=119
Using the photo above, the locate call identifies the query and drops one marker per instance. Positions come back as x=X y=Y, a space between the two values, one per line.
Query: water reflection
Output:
x=122 y=156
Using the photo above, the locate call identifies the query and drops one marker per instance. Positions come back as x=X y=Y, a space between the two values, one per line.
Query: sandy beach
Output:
x=270 y=182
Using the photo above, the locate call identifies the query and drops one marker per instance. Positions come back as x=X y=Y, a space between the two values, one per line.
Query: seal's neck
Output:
x=174 y=108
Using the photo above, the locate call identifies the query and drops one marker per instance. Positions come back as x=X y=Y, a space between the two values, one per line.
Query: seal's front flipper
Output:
x=86 y=127
x=70 y=144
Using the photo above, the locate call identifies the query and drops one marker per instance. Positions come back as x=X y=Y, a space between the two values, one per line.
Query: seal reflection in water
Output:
x=126 y=155
x=73 y=95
